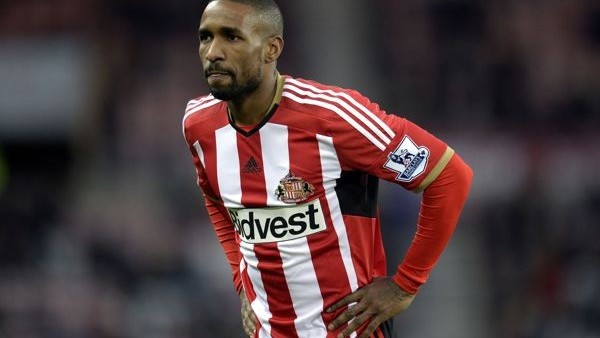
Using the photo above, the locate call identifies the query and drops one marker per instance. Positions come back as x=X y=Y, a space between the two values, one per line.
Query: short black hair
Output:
x=266 y=8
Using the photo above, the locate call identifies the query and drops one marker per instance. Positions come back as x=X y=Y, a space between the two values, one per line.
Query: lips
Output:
x=218 y=77
x=214 y=71
x=217 y=73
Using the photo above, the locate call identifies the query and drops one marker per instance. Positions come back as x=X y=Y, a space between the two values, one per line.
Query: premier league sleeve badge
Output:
x=408 y=160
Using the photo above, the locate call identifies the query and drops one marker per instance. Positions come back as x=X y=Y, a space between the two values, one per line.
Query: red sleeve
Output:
x=441 y=205
x=413 y=158
x=226 y=235
x=387 y=146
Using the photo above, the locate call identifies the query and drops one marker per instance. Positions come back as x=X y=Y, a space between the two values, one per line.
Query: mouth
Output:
x=217 y=74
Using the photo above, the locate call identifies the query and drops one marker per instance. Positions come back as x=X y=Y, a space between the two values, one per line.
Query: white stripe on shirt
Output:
x=228 y=167
x=276 y=158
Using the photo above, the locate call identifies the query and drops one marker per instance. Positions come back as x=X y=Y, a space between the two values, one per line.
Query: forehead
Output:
x=227 y=14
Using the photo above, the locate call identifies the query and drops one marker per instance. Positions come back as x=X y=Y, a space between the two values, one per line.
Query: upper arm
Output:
x=387 y=146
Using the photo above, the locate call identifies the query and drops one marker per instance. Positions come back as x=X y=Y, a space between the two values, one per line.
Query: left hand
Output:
x=248 y=316
x=375 y=303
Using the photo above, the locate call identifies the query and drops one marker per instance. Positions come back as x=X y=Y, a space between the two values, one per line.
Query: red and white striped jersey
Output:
x=300 y=189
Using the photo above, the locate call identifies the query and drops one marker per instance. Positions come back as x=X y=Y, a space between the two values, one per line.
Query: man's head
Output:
x=240 y=41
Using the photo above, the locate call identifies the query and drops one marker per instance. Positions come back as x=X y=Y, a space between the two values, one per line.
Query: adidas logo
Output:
x=251 y=167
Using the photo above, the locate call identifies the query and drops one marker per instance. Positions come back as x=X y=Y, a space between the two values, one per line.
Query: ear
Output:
x=273 y=49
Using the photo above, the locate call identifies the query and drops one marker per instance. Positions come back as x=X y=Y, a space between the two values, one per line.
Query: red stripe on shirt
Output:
x=252 y=181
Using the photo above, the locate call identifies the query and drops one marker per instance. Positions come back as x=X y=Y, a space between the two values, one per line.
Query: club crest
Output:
x=408 y=160
x=293 y=189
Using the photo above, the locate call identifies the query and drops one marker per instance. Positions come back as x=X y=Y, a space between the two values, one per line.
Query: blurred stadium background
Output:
x=102 y=229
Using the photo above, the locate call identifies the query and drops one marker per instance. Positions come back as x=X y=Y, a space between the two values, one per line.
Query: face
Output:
x=231 y=50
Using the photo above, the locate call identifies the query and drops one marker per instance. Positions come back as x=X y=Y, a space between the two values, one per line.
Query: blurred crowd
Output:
x=103 y=233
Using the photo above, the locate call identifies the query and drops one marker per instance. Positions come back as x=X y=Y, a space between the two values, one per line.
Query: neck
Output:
x=252 y=108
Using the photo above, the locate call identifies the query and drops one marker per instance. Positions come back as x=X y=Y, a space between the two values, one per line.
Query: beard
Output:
x=235 y=89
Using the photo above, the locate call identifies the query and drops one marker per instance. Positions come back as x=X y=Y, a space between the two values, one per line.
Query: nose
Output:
x=213 y=51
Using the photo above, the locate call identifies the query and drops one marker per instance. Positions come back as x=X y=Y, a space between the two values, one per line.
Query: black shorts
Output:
x=387 y=328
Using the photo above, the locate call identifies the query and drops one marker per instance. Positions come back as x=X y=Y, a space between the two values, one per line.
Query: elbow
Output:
x=464 y=176
x=454 y=181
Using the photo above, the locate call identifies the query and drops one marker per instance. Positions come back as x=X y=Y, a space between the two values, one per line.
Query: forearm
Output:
x=226 y=235
x=441 y=205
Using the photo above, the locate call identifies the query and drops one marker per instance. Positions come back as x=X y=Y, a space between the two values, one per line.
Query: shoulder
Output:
x=346 y=111
x=203 y=104
x=298 y=88
x=331 y=102
x=332 y=99
x=200 y=109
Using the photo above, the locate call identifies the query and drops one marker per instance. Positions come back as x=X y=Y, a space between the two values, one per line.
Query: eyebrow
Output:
x=222 y=30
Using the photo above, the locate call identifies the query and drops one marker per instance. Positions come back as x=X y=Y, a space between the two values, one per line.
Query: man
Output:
x=289 y=171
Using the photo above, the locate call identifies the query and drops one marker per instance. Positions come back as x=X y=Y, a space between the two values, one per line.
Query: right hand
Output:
x=248 y=316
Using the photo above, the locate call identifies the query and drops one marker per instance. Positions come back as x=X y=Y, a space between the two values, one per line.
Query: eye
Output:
x=233 y=37
x=204 y=37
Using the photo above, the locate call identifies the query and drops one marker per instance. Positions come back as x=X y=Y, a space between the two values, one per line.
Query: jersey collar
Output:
x=247 y=131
